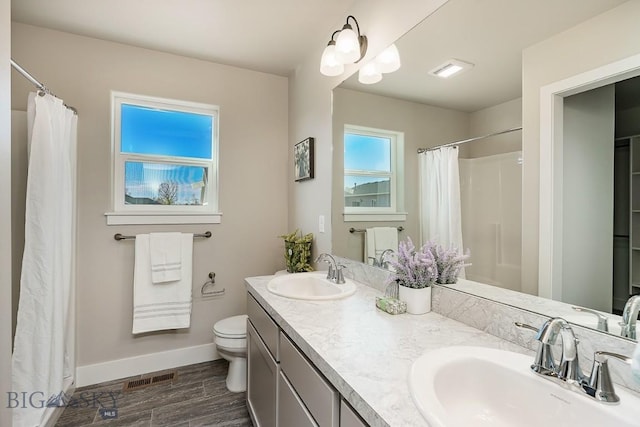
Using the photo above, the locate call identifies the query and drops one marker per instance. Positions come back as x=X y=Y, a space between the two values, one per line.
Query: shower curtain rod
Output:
x=464 y=141
x=41 y=87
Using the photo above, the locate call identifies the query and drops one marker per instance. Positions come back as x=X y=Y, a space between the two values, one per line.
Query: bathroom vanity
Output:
x=284 y=388
x=340 y=362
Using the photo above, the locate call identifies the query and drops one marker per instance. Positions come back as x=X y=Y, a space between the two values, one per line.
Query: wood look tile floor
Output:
x=198 y=397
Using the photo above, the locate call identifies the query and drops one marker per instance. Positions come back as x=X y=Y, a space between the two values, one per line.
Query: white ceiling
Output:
x=488 y=33
x=271 y=36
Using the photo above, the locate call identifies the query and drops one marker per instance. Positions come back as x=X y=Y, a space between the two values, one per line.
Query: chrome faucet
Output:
x=568 y=368
x=598 y=385
x=603 y=321
x=382 y=262
x=334 y=274
x=630 y=317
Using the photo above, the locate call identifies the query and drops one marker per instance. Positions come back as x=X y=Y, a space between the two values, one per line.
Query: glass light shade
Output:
x=369 y=74
x=329 y=64
x=389 y=60
x=347 y=46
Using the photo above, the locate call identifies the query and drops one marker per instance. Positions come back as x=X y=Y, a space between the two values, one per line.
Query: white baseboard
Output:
x=122 y=368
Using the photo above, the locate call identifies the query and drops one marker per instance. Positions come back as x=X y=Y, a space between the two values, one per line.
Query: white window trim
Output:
x=121 y=213
x=396 y=211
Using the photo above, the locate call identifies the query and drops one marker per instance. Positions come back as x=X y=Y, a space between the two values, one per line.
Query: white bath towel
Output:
x=166 y=305
x=165 y=251
x=377 y=240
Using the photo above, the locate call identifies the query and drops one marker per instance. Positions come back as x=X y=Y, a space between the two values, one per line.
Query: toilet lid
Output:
x=232 y=327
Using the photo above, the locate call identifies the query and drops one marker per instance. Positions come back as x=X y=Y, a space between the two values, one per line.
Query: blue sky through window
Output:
x=364 y=152
x=147 y=130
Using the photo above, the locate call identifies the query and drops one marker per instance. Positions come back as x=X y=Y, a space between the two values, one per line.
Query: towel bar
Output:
x=362 y=230
x=119 y=236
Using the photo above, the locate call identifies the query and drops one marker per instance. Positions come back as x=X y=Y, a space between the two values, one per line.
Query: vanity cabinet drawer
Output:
x=348 y=417
x=265 y=326
x=320 y=398
x=262 y=381
x=291 y=410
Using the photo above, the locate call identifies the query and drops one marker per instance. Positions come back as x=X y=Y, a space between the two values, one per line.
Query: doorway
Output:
x=553 y=218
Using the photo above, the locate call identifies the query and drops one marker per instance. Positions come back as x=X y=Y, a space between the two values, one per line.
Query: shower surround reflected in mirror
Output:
x=490 y=198
x=431 y=112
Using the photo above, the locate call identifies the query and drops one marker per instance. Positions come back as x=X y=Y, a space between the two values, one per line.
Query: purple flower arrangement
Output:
x=414 y=268
x=449 y=261
x=426 y=266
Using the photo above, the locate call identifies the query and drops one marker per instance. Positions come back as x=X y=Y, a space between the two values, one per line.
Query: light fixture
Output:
x=329 y=64
x=388 y=60
x=451 y=67
x=369 y=73
x=348 y=48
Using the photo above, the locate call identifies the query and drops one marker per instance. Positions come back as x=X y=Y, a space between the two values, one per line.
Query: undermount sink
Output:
x=475 y=386
x=310 y=286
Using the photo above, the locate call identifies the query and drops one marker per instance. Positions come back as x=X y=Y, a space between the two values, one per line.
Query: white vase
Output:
x=418 y=300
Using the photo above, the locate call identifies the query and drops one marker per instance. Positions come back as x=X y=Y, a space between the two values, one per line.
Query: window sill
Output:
x=119 y=218
x=374 y=216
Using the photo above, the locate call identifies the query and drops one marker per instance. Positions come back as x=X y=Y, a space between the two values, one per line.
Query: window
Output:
x=373 y=174
x=165 y=158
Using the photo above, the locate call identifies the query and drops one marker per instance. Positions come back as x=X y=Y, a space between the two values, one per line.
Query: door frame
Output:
x=551 y=142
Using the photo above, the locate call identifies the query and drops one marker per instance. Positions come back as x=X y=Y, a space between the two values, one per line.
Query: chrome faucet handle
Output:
x=339 y=276
x=526 y=326
x=603 y=321
x=543 y=362
x=600 y=385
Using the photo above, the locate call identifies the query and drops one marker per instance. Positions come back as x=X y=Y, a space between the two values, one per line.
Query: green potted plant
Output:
x=297 y=251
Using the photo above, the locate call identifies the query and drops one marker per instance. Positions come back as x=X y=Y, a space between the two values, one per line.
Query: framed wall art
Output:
x=303 y=160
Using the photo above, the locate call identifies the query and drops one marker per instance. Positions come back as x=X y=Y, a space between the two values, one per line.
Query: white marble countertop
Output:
x=366 y=353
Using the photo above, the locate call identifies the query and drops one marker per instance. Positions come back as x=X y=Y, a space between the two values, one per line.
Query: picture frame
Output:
x=303 y=161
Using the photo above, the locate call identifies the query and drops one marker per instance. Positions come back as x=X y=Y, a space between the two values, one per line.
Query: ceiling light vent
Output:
x=450 y=68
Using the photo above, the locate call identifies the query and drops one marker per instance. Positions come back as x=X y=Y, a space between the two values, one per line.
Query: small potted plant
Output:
x=415 y=272
x=297 y=251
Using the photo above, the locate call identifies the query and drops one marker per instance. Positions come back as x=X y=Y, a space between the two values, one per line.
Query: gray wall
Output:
x=507 y=115
x=5 y=209
x=310 y=106
x=587 y=226
x=253 y=171
x=423 y=126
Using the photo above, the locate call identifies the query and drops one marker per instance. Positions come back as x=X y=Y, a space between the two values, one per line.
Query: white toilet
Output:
x=231 y=343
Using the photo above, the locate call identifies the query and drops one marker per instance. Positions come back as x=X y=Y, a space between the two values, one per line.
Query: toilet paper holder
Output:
x=211 y=282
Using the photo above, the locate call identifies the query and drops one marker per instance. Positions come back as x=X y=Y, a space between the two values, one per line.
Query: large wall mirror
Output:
x=379 y=128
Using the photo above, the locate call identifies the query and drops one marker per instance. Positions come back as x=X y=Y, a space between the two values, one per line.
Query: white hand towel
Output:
x=377 y=240
x=166 y=258
x=386 y=238
x=166 y=305
x=369 y=246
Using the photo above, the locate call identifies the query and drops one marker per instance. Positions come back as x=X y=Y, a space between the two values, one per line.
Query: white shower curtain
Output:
x=440 y=216
x=43 y=355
